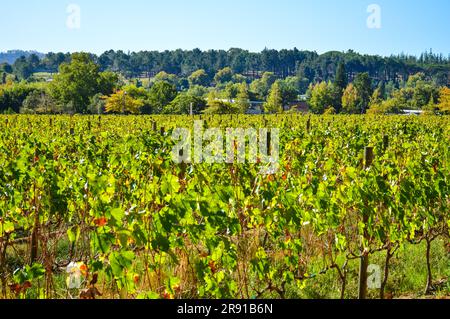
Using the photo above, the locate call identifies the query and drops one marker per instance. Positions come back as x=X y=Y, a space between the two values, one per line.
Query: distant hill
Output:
x=12 y=55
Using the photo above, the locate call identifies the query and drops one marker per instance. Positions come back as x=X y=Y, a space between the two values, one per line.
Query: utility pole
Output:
x=124 y=101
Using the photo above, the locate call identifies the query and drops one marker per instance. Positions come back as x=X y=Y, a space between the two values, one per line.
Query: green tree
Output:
x=417 y=93
x=164 y=76
x=389 y=88
x=341 y=80
x=22 y=68
x=321 y=96
x=199 y=77
x=223 y=76
x=382 y=89
x=289 y=92
x=340 y=83
x=13 y=95
x=77 y=82
x=182 y=104
x=420 y=91
x=243 y=98
x=218 y=106
x=262 y=86
x=160 y=95
x=363 y=85
x=274 y=103
x=198 y=91
x=97 y=105
x=5 y=67
x=108 y=82
x=298 y=84
x=239 y=78
x=230 y=92
x=34 y=61
x=431 y=108
x=38 y=102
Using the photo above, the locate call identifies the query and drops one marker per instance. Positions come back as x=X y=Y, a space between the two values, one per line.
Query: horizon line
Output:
x=231 y=48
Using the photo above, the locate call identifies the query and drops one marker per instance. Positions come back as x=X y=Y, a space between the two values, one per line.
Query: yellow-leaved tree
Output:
x=351 y=100
x=274 y=103
x=123 y=101
x=444 y=100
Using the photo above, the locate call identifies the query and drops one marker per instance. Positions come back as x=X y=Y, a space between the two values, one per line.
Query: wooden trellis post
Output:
x=385 y=142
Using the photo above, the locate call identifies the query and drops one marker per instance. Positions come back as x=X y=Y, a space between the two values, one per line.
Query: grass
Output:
x=407 y=275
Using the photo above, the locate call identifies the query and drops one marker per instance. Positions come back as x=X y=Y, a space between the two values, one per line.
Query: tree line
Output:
x=283 y=63
x=85 y=83
x=364 y=95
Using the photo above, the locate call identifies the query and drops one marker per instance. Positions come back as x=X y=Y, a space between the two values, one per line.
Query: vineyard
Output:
x=95 y=207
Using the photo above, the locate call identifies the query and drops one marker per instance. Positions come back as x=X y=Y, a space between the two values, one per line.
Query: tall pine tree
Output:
x=363 y=84
x=340 y=84
x=341 y=77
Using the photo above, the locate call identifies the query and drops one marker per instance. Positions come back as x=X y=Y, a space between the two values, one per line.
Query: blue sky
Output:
x=409 y=26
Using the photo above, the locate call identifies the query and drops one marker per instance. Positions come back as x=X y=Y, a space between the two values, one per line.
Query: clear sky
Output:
x=409 y=26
